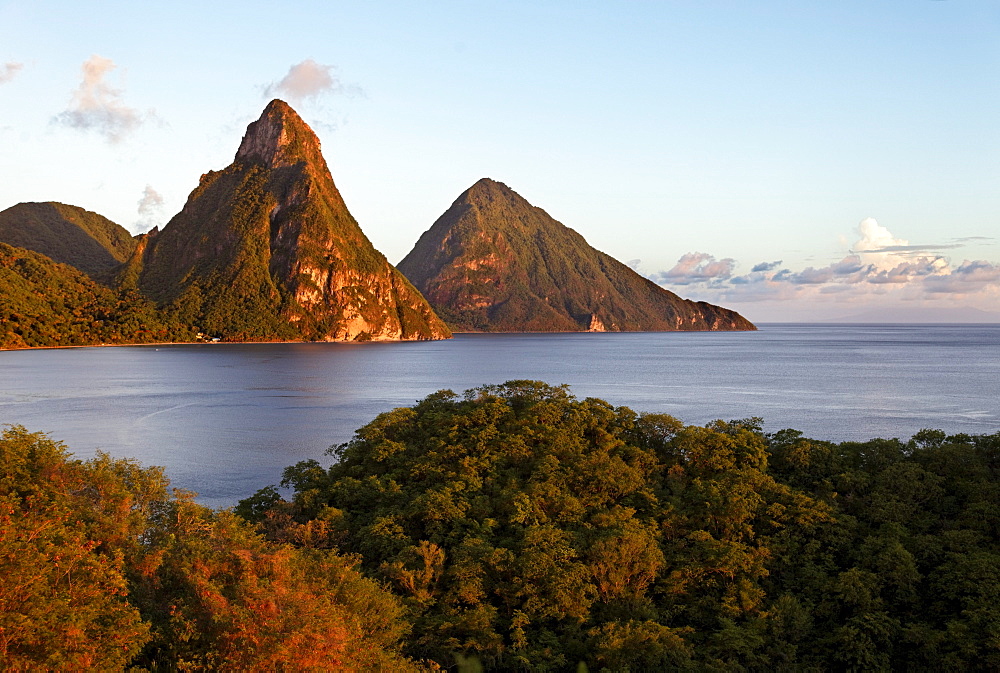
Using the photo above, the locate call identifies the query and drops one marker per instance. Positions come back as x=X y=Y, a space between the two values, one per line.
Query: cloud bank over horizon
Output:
x=877 y=268
x=98 y=106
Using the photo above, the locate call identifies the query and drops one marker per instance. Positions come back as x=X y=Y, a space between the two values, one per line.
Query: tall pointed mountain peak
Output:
x=279 y=138
x=266 y=249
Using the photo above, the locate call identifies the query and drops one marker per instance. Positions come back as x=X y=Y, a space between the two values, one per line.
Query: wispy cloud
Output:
x=98 y=106
x=876 y=239
x=9 y=70
x=309 y=80
x=913 y=248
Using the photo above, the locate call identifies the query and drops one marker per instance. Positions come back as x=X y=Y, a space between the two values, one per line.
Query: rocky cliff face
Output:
x=266 y=249
x=494 y=262
x=68 y=234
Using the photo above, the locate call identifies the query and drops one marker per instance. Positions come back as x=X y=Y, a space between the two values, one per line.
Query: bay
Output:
x=225 y=419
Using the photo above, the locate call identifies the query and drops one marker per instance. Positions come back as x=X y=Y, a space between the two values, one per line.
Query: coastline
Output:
x=367 y=341
x=764 y=325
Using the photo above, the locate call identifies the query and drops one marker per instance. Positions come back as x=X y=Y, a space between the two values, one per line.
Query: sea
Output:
x=226 y=419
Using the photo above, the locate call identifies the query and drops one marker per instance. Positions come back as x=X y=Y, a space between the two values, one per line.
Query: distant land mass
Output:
x=67 y=234
x=903 y=314
x=495 y=263
x=266 y=249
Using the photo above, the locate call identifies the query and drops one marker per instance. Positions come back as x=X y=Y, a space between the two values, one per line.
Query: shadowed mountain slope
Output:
x=68 y=234
x=267 y=250
x=495 y=263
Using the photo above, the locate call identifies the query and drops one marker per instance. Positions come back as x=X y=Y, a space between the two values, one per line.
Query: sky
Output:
x=792 y=160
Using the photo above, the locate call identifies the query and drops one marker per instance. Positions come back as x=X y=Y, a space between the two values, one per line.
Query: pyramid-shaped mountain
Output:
x=68 y=234
x=495 y=263
x=267 y=250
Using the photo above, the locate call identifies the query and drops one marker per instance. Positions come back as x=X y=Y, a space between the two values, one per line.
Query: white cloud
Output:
x=98 y=106
x=309 y=80
x=697 y=267
x=878 y=246
x=151 y=201
x=877 y=243
x=9 y=70
x=908 y=271
x=874 y=236
x=150 y=208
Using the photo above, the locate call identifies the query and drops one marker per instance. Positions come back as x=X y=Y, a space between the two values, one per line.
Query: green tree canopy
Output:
x=101 y=568
x=535 y=530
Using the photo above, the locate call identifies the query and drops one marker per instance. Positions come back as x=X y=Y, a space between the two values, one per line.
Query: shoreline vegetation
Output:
x=220 y=342
x=202 y=342
x=516 y=527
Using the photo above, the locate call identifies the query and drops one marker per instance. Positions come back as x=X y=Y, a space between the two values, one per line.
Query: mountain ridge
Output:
x=67 y=234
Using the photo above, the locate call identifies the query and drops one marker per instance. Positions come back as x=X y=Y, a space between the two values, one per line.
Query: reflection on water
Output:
x=225 y=419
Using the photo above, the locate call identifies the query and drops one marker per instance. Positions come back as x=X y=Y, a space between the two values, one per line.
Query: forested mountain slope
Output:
x=44 y=303
x=67 y=234
x=493 y=262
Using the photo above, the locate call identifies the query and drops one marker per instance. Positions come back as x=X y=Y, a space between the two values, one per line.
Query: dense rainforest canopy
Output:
x=101 y=568
x=516 y=527
x=44 y=303
x=532 y=530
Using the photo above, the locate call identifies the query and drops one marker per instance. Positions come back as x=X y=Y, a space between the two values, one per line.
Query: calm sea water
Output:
x=226 y=419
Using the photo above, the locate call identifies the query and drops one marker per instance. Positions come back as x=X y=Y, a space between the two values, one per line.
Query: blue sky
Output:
x=792 y=160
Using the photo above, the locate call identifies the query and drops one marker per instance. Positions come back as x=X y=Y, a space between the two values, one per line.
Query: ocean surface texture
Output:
x=225 y=419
